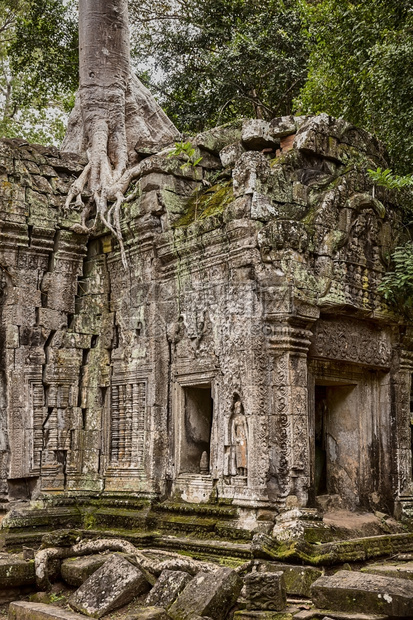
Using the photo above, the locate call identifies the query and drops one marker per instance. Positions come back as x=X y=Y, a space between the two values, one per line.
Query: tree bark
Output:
x=114 y=116
x=151 y=567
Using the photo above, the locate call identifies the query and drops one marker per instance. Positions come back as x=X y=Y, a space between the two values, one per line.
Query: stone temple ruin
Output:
x=242 y=374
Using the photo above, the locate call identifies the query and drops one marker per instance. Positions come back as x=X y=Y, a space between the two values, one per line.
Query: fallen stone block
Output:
x=282 y=126
x=265 y=591
x=76 y=570
x=149 y=613
x=167 y=588
x=257 y=135
x=208 y=594
x=22 y=610
x=320 y=614
x=9 y=595
x=231 y=153
x=16 y=572
x=113 y=585
x=214 y=140
x=401 y=571
x=298 y=579
x=360 y=592
x=262 y=615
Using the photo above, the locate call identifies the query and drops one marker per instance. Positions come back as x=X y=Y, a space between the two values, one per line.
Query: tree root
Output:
x=150 y=567
x=108 y=191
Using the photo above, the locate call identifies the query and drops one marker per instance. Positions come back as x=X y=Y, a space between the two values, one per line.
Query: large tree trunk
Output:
x=114 y=116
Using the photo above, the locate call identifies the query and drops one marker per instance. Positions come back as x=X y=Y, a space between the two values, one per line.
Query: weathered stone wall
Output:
x=251 y=278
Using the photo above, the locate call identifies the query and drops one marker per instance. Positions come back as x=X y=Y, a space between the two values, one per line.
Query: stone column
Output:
x=402 y=420
x=288 y=343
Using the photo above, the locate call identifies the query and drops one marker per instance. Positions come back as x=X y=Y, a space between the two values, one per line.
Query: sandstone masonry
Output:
x=245 y=355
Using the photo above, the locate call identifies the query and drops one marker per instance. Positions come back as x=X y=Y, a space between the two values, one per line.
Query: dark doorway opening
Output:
x=196 y=431
x=320 y=423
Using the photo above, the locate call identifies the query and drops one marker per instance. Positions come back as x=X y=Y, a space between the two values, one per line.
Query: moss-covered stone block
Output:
x=76 y=570
x=22 y=610
x=355 y=591
x=14 y=571
x=208 y=594
x=298 y=579
x=262 y=615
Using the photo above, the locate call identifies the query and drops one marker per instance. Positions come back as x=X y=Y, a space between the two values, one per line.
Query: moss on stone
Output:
x=207 y=203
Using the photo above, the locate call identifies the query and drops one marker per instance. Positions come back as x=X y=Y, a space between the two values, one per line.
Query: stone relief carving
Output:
x=239 y=440
x=127 y=425
x=351 y=341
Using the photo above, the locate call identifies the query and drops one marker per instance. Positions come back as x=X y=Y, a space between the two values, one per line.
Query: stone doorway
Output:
x=195 y=435
x=350 y=437
x=336 y=439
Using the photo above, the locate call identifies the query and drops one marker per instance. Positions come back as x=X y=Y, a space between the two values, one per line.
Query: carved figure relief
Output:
x=239 y=439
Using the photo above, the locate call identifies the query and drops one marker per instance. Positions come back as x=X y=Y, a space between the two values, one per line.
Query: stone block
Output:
x=113 y=585
x=298 y=579
x=404 y=570
x=12 y=337
x=52 y=319
x=257 y=135
x=231 y=153
x=355 y=592
x=262 y=615
x=15 y=572
x=22 y=610
x=208 y=594
x=265 y=591
x=214 y=140
x=9 y=595
x=282 y=126
x=149 y=613
x=76 y=570
x=167 y=588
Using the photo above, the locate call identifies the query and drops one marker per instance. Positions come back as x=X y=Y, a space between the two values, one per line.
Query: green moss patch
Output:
x=207 y=203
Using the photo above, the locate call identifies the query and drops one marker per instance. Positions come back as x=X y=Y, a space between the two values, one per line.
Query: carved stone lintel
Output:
x=352 y=341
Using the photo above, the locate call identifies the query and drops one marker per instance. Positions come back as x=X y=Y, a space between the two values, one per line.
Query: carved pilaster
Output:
x=288 y=343
x=402 y=407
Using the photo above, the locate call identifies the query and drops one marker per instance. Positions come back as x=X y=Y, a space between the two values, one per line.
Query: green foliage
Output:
x=217 y=60
x=186 y=150
x=56 y=598
x=386 y=178
x=397 y=285
x=360 y=53
x=38 y=68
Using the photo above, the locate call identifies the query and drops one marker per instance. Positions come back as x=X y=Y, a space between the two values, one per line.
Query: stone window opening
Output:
x=196 y=429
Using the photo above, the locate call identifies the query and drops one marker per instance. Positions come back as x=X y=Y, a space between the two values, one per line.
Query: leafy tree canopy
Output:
x=360 y=68
x=210 y=61
x=215 y=60
x=38 y=67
